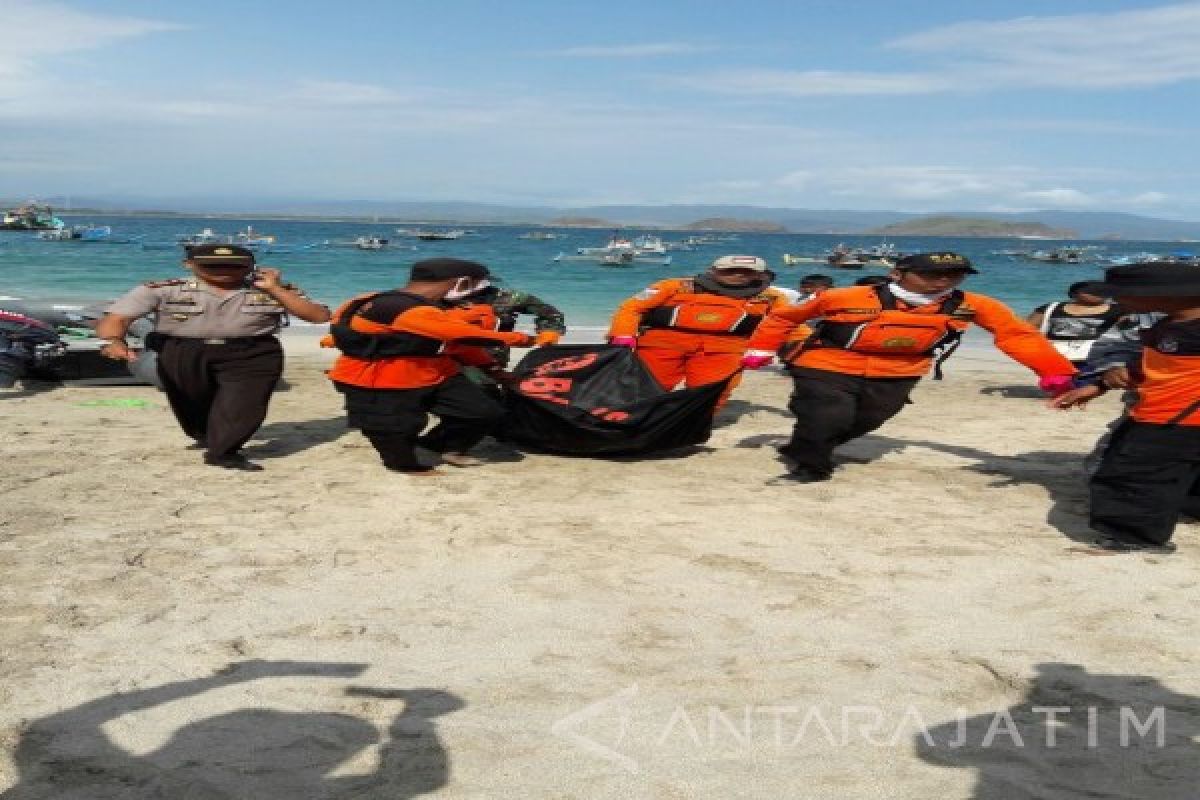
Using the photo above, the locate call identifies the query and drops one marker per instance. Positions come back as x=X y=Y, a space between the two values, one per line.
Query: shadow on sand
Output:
x=249 y=754
x=1113 y=736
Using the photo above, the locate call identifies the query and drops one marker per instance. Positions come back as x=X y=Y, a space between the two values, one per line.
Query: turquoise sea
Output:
x=74 y=272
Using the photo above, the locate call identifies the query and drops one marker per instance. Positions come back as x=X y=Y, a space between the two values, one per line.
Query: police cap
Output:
x=943 y=261
x=220 y=255
x=445 y=269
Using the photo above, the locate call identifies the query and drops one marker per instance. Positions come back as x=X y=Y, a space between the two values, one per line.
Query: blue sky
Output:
x=868 y=105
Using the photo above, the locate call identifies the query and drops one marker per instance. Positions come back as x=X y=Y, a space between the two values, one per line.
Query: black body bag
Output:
x=599 y=400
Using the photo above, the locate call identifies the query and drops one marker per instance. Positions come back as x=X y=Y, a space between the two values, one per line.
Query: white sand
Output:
x=936 y=577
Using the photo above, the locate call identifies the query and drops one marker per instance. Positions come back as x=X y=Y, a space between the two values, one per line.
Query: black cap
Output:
x=444 y=269
x=220 y=255
x=1148 y=279
x=943 y=260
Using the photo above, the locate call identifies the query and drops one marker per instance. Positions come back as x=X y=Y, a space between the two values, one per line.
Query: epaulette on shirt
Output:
x=168 y=282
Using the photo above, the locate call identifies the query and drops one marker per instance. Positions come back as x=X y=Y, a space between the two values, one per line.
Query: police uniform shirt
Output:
x=192 y=309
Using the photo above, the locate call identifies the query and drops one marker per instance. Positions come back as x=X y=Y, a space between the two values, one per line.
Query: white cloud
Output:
x=1149 y=199
x=815 y=82
x=923 y=183
x=1122 y=50
x=644 y=50
x=341 y=93
x=932 y=188
x=37 y=30
x=1059 y=198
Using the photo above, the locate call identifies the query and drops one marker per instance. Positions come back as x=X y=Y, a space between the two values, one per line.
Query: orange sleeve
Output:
x=437 y=324
x=628 y=317
x=1017 y=339
x=780 y=324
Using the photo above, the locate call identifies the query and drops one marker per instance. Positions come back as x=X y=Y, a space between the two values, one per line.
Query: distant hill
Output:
x=1086 y=224
x=581 y=222
x=735 y=225
x=946 y=225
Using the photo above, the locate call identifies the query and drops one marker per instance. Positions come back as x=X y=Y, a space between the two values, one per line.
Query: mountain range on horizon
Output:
x=1086 y=224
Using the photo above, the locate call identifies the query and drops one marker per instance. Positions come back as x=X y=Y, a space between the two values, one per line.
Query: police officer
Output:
x=218 y=358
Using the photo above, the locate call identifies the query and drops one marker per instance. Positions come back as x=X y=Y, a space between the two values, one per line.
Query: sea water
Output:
x=74 y=272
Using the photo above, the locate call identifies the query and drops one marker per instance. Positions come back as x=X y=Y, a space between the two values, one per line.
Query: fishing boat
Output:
x=252 y=239
x=1062 y=255
x=370 y=243
x=790 y=260
x=649 y=245
x=625 y=258
x=90 y=234
x=31 y=217
x=840 y=257
x=205 y=236
x=248 y=238
x=643 y=246
x=439 y=236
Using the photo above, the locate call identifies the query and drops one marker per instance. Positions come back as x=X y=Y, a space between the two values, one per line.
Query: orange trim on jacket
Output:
x=1168 y=386
x=693 y=311
x=861 y=304
x=460 y=328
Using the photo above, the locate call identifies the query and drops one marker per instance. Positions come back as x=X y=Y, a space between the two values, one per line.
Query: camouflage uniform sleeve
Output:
x=138 y=303
x=1120 y=345
x=545 y=316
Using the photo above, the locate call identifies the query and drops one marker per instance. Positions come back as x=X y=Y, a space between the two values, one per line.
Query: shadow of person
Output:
x=288 y=438
x=735 y=409
x=1077 y=734
x=249 y=754
x=1060 y=473
x=413 y=761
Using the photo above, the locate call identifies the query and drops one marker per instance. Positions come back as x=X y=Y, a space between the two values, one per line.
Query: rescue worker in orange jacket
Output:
x=1151 y=468
x=694 y=330
x=873 y=343
x=402 y=352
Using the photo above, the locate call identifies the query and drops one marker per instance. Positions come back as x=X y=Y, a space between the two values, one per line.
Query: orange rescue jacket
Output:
x=1168 y=386
x=398 y=340
x=676 y=314
x=858 y=335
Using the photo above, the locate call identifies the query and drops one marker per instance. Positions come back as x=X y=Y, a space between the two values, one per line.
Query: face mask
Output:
x=465 y=289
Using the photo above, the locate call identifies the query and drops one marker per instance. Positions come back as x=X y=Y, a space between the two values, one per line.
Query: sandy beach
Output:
x=543 y=627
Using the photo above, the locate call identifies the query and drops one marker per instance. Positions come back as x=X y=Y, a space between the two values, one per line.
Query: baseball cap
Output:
x=444 y=269
x=740 y=262
x=942 y=260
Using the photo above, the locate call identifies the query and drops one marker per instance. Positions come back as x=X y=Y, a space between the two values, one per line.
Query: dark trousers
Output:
x=392 y=419
x=220 y=392
x=1147 y=477
x=832 y=408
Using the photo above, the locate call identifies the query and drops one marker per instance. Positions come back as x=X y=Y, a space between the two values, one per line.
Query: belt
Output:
x=222 y=340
